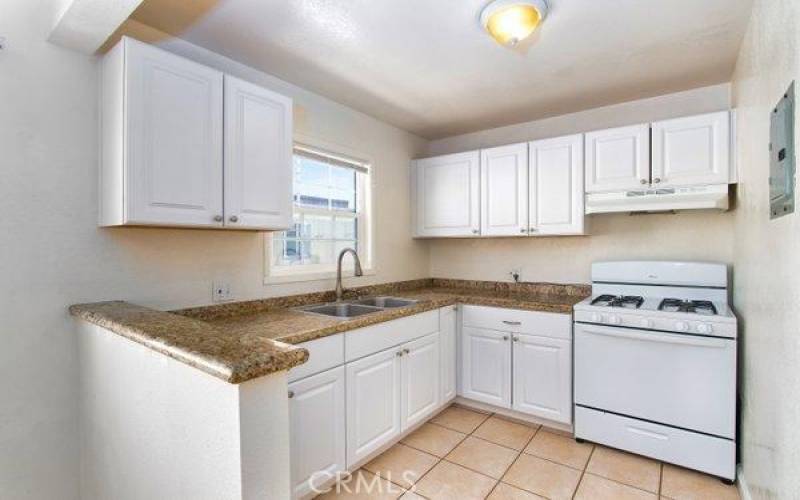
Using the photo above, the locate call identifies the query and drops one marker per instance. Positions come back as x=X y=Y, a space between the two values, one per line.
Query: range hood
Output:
x=659 y=199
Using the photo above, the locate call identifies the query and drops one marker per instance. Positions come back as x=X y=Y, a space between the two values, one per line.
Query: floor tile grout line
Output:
x=660 y=478
x=624 y=484
x=583 y=472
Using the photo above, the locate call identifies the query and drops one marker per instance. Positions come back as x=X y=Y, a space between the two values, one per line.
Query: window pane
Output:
x=343 y=178
x=343 y=200
x=286 y=252
x=317 y=252
x=318 y=226
x=310 y=172
x=344 y=228
x=340 y=245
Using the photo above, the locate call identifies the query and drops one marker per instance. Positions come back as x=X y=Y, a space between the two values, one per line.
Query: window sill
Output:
x=296 y=277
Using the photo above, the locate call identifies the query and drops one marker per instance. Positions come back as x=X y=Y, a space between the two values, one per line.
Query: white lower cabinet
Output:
x=543 y=377
x=420 y=373
x=373 y=403
x=389 y=392
x=448 y=328
x=317 y=428
x=486 y=366
x=523 y=361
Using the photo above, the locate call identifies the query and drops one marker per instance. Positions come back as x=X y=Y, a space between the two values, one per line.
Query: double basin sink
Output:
x=355 y=308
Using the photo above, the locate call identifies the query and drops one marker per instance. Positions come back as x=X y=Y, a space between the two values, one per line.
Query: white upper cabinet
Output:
x=555 y=178
x=178 y=138
x=162 y=139
x=258 y=157
x=447 y=195
x=618 y=159
x=692 y=151
x=504 y=190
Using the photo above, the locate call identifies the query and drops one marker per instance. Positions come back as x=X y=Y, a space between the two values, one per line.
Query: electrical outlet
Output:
x=516 y=274
x=221 y=291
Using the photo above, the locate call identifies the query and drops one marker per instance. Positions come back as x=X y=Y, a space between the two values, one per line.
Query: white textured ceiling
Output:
x=427 y=67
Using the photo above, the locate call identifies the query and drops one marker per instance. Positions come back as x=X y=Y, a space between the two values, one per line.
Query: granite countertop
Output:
x=244 y=340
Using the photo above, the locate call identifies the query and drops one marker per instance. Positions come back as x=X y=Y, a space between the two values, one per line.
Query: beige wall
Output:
x=691 y=235
x=53 y=254
x=767 y=260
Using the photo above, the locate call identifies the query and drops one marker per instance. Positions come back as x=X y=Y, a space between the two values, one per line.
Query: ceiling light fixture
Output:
x=511 y=21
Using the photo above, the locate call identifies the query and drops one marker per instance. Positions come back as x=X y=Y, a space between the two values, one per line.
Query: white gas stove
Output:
x=655 y=363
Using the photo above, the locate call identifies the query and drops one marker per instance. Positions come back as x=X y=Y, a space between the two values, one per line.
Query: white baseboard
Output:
x=744 y=490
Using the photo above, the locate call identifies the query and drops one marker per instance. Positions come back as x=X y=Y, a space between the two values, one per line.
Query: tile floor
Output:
x=461 y=454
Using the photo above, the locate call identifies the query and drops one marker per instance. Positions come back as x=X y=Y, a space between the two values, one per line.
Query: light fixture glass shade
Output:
x=509 y=22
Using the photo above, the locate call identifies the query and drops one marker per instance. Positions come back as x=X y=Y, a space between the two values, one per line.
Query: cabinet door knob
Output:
x=643 y=181
x=291 y=394
x=523 y=230
x=398 y=353
x=217 y=218
x=505 y=337
x=474 y=231
x=233 y=218
x=656 y=180
x=515 y=338
x=406 y=351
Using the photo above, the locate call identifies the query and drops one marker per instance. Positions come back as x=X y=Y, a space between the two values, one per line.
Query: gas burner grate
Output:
x=688 y=306
x=629 y=301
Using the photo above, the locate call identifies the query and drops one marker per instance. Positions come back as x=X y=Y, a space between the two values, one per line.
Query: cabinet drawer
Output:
x=323 y=354
x=543 y=324
x=702 y=452
x=365 y=341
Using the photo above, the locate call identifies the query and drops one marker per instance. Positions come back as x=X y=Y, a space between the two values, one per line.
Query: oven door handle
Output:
x=657 y=337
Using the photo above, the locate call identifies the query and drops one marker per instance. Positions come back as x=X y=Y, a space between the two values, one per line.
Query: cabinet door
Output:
x=556 y=186
x=447 y=339
x=447 y=195
x=618 y=159
x=373 y=403
x=173 y=160
x=486 y=366
x=692 y=150
x=258 y=157
x=504 y=191
x=543 y=377
x=317 y=428
x=420 y=379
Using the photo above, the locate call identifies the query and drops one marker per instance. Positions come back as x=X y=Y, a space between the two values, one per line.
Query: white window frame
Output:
x=365 y=220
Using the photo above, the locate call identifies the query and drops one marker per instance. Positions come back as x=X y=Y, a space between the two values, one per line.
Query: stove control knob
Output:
x=704 y=328
x=614 y=320
x=647 y=323
x=681 y=326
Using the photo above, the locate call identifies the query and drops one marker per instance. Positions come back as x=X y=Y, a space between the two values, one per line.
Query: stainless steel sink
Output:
x=344 y=310
x=385 y=302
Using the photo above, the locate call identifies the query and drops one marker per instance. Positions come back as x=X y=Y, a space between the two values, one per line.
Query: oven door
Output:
x=681 y=380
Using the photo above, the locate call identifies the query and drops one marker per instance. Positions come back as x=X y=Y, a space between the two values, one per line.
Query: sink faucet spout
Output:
x=358 y=271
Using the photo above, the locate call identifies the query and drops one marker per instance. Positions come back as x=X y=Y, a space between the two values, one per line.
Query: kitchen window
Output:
x=331 y=212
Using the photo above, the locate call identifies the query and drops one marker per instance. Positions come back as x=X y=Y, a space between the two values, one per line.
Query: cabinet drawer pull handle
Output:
x=516 y=323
